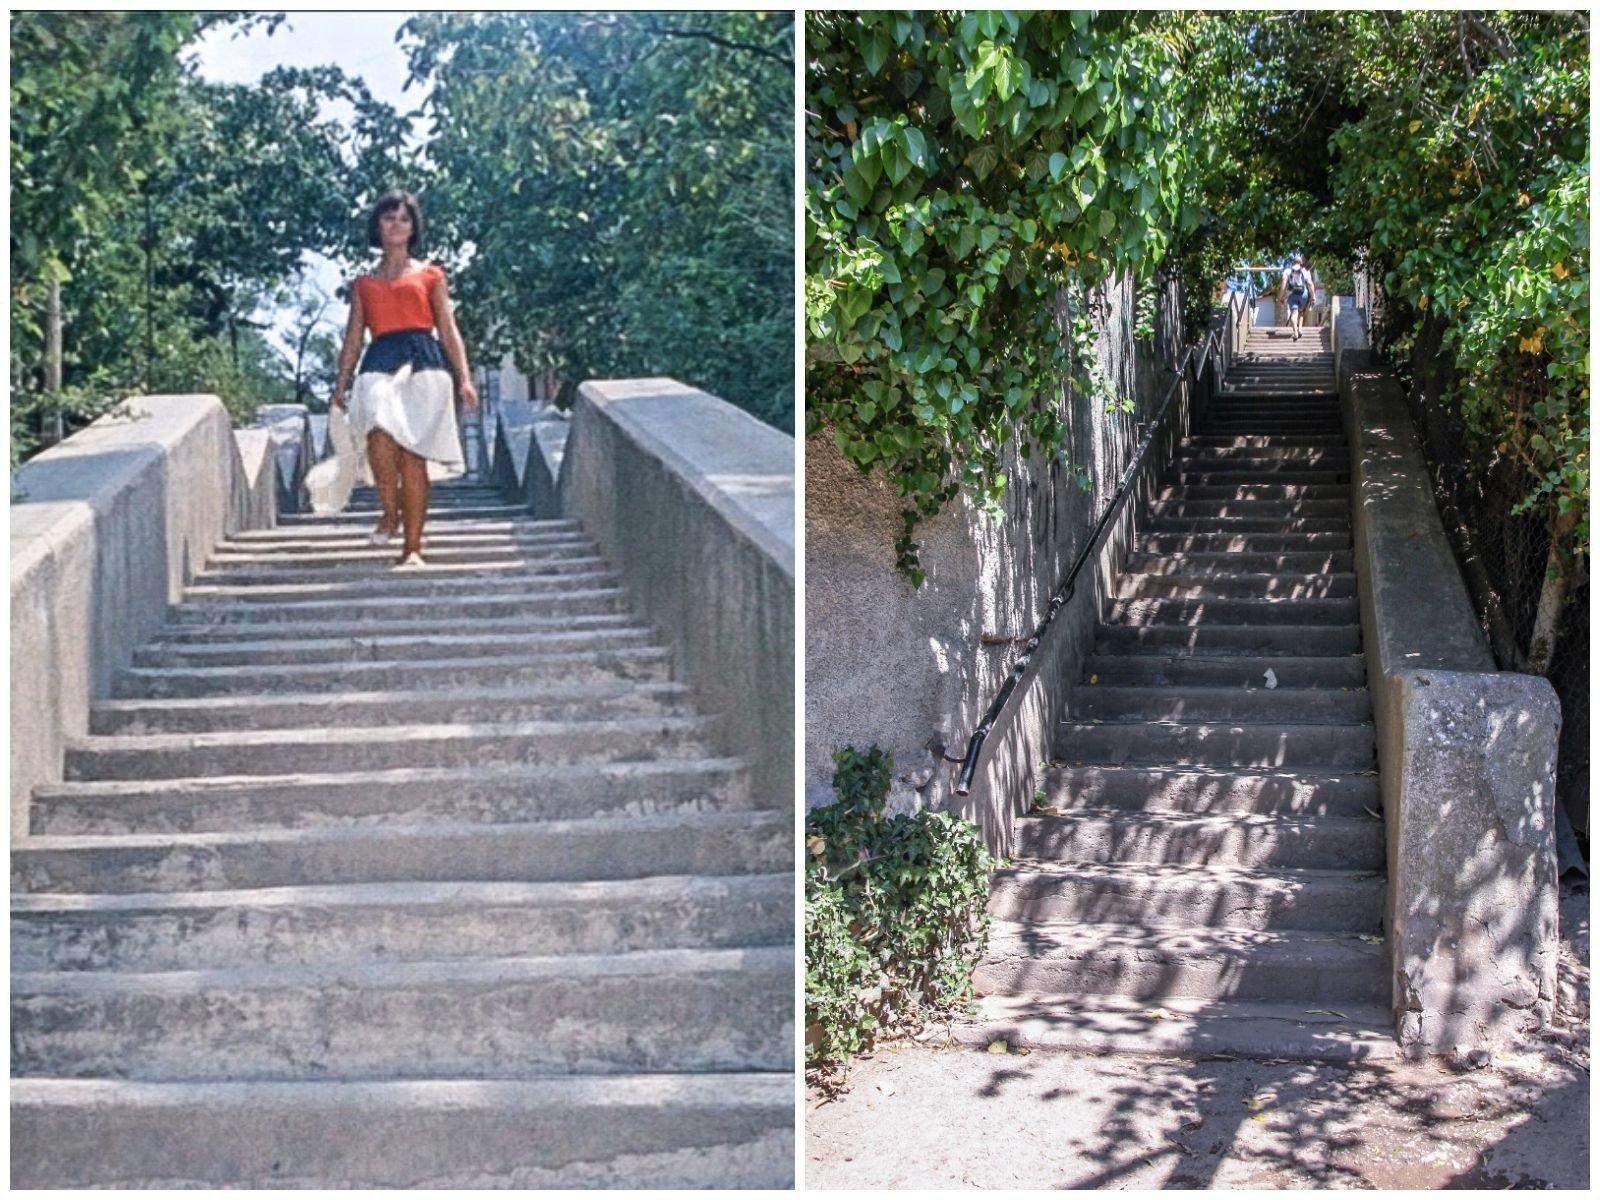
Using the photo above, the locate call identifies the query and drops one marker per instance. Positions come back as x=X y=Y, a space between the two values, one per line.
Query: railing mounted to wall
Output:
x=1216 y=352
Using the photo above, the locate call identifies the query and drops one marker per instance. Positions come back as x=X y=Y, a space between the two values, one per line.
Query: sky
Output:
x=362 y=43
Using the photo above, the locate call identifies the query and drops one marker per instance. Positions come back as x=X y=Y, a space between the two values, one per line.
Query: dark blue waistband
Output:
x=417 y=348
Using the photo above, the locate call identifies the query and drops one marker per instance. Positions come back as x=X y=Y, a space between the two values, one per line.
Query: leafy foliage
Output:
x=895 y=913
x=167 y=208
x=625 y=182
x=962 y=171
x=1466 y=177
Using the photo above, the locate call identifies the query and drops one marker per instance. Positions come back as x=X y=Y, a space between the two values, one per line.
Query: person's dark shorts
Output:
x=1297 y=298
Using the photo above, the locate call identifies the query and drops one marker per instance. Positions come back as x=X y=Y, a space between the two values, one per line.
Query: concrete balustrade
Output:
x=106 y=528
x=1467 y=753
x=693 y=500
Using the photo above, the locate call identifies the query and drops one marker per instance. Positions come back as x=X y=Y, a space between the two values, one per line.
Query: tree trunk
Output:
x=1552 y=597
x=56 y=420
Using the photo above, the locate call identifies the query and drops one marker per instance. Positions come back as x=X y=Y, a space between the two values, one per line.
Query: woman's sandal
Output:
x=411 y=559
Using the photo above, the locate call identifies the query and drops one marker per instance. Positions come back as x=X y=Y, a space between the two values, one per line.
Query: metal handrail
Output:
x=1064 y=592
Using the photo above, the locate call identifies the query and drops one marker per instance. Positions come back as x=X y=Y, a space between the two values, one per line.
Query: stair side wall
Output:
x=912 y=670
x=106 y=529
x=692 y=501
x=1466 y=753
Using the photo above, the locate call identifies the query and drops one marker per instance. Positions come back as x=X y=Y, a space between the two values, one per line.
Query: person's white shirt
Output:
x=1305 y=273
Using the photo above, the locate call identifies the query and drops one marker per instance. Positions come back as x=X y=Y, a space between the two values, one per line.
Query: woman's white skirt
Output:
x=416 y=407
x=404 y=388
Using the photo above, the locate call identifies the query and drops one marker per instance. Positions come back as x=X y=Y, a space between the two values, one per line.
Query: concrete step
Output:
x=339 y=528
x=1237 y=670
x=1249 y=541
x=457 y=535
x=1200 y=564
x=377 y=645
x=683 y=843
x=379 y=567
x=1220 y=640
x=507 y=793
x=1233 y=610
x=1254 y=841
x=1189 y=508
x=433 y=582
x=359 y=748
x=1214 y=790
x=414 y=625
x=1262 y=441
x=1178 y=476
x=1283 y=493
x=1246 y=423
x=1332 y=523
x=485 y=512
x=1180 y=895
x=1164 y=702
x=1204 y=458
x=486 y=1019
x=372 y=559
x=535 y=599
x=455 y=706
x=1350 y=746
x=648 y=1131
x=1182 y=1028
x=1179 y=584
x=643 y=663
x=396 y=922
x=1139 y=963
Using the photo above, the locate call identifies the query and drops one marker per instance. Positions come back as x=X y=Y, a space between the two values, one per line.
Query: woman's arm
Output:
x=455 y=349
x=351 y=350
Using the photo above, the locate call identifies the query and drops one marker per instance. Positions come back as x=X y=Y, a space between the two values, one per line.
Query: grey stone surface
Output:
x=693 y=500
x=106 y=528
x=913 y=670
x=530 y=442
x=442 y=850
x=654 y=1130
x=1466 y=754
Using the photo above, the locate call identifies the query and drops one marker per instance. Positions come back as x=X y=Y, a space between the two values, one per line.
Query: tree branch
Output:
x=717 y=39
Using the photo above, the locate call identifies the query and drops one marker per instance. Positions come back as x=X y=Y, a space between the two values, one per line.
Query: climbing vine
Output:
x=964 y=170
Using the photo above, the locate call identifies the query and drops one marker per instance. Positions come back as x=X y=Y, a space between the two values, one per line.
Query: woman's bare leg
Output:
x=383 y=453
x=413 y=499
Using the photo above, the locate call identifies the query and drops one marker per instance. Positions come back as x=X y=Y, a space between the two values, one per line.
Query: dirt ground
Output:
x=918 y=1114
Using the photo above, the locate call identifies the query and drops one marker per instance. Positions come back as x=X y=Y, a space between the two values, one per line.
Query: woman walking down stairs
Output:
x=1206 y=872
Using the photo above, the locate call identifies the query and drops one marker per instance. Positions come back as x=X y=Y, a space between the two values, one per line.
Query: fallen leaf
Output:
x=1372 y=812
x=1272 y=680
x=1160 y=1014
x=1370 y=937
x=1326 y=1012
x=1094 y=679
x=998 y=1046
x=816 y=845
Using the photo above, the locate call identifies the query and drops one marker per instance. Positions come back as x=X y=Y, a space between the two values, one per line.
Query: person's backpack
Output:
x=1297 y=278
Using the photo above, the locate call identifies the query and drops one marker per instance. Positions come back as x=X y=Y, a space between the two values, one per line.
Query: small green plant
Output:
x=895 y=915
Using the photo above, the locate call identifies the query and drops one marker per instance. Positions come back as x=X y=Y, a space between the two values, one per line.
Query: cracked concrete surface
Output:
x=927 y=1115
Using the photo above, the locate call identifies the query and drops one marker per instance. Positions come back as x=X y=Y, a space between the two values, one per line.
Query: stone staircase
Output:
x=1204 y=869
x=377 y=878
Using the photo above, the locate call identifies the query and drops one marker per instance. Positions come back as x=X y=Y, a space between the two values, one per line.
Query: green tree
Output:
x=618 y=188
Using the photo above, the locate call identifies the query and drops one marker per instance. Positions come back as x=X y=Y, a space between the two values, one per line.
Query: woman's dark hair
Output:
x=388 y=202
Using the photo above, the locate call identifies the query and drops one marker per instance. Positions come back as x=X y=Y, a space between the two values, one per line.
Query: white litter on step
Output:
x=1272 y=680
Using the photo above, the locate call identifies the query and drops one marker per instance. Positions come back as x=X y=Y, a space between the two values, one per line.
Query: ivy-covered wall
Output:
x=907 y=668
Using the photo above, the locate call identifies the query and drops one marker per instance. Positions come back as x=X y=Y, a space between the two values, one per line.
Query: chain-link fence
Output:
x=1502 y=557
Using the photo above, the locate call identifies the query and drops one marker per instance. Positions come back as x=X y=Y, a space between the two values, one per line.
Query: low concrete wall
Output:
x=530 y=442
x=1466 y=754
x=692 y=500
x=912 y=670
x=106 y=528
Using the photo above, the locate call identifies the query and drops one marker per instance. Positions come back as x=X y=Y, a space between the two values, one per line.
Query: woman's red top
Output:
x=389 y=305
